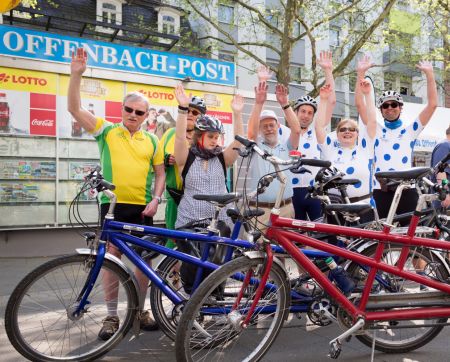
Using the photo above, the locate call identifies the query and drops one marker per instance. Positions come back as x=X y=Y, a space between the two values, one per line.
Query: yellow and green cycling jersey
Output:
x=167 y=145
x=127 y=161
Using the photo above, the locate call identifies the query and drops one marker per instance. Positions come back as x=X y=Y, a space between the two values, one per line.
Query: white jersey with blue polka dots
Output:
x=307 y=145
x=284 y=133
x=394 y=147
x=356 y=162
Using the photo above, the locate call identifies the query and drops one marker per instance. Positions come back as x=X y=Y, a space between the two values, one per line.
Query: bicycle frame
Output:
x=113 y=231
x=288 y=239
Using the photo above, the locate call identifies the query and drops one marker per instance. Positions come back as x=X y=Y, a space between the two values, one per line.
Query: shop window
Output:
x=109 y=12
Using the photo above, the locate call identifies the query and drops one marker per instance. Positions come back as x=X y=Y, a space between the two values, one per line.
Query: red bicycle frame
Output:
x=287 y=239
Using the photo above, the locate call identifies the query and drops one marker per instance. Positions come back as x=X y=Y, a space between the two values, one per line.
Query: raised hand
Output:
x=79 y=60
x=237 y=103
x=325 y=60
x=425 y=67
x=325 y=92
x=264 y=73
x=366 y=86
x=261 y=93
x=181 y=96
x=282 y=94
x=364 y=64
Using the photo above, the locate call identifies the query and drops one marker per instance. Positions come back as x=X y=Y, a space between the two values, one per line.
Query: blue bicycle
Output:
x=56 y=311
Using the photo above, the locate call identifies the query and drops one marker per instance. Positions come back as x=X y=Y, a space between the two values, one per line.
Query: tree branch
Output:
x=261 y=16
x=264 y=45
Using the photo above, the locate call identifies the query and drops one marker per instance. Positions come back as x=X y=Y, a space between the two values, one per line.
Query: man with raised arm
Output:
x=305 y=108
x=263 y=127
x=127 y=156
x=396 y=137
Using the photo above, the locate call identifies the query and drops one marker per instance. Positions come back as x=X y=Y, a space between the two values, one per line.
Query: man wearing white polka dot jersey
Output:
x=305 y=108
x=395 y=141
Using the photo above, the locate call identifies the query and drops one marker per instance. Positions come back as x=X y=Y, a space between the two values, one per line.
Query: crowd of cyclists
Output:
x=189 y=159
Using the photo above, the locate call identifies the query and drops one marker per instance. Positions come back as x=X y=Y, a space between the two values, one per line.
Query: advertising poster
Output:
x=163 y=106
x=78 y=170
x=103 y=98
x=27 y=102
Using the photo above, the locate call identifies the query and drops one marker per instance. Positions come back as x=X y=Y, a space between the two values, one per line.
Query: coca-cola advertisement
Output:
x=42 y=122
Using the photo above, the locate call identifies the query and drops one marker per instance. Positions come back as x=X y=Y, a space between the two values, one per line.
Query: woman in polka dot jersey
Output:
x=351 y=151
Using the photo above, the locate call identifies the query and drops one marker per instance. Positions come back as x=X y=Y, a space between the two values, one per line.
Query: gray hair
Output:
x=136 y=96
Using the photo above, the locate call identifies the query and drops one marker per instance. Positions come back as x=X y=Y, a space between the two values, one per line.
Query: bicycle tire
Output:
x=36 y=317
x=391 y=338
x=166 y=313
x=227 y=340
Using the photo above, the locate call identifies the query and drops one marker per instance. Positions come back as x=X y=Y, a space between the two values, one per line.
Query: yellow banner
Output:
x=164 y=96
x=94 y=88
x=27 y=80
x=404 y=22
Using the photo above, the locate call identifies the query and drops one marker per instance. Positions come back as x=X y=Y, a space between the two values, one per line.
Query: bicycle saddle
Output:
x=348 y=181
x=411 y=174
x=247 y=214
x=356 y=208
x=223 y=199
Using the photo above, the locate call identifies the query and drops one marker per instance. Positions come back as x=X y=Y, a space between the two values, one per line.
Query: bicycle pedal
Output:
x=335 y=349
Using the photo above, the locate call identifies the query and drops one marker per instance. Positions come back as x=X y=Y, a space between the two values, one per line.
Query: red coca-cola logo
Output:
x=224 y=117
x=42 y=122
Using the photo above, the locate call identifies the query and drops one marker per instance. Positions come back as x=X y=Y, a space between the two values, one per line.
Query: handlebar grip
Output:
x=107 y=185
x=244 y=141
x=315 y=163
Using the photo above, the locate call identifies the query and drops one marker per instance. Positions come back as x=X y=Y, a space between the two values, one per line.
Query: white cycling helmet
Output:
x=389 y=95
x=305 y=100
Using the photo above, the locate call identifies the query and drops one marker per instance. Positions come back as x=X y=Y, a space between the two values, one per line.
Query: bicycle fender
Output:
x=260 y=254
x=115 y=260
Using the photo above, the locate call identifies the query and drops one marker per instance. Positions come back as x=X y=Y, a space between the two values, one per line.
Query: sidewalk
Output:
x=296 y=342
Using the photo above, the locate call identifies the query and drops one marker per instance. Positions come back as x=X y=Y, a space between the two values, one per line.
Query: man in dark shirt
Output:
x=439 y=152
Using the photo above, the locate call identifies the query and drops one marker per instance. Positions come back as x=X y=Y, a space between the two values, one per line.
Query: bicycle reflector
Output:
x=295 y=154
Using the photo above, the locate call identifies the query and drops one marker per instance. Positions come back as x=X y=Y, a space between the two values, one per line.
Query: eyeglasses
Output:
x=194 y=112
x=347 y=129
x=393 y=105
x=190 y=130
x=131 y=110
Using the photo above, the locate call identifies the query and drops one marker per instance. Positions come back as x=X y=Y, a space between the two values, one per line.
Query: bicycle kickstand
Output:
x=336 y=344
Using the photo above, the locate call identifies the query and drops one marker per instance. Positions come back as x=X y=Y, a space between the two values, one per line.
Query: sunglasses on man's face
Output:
x=131 y=110
x=387 y=105
x=194 y=112
x=348 y=129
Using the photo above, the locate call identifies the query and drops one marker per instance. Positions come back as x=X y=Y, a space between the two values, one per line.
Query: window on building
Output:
x=295 y=73
x=168 y=24
x=352 y=82
x=389 y=81
x=226 y=14
x=335 y=36
x=405 y=85
x=334 y=122
x=227 y=57
x=109 y=12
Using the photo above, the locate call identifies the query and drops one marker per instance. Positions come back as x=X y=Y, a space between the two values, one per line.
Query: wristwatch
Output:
x=158 y=198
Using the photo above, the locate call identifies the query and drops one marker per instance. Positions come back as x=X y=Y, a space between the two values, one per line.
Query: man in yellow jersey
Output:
x=174 y=182
x=128 y=157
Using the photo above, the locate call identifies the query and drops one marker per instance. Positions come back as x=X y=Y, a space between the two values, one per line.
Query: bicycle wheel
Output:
x=39 y=321
x=402 y=335
x=210 y=331
x=165 y=312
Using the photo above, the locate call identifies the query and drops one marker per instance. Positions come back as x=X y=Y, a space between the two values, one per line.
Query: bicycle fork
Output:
x=75 y=312
x=235 y=317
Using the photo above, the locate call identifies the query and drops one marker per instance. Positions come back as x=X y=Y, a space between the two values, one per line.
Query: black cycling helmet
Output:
x=305 y=100
x=327 y=175
x=198 y=103
x=389 y=95
x=206 y=123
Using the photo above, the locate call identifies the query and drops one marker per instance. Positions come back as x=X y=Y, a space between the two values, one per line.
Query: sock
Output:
x=111 y=306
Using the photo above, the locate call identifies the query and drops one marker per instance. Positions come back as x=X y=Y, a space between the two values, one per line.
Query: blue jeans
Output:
x=305 y=206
